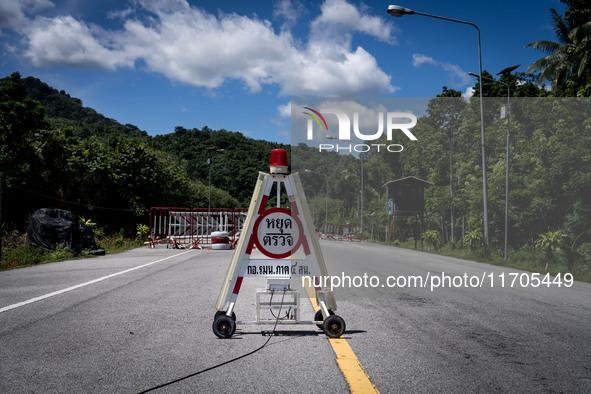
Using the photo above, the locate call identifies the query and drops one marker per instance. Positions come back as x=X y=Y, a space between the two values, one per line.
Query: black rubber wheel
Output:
x=223 y=313
x=333 y=326
x=223 y=326
x=318 y=316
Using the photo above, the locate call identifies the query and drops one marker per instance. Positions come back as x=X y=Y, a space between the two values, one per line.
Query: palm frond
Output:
x=544 y=46
x=568 y=58
x=583 y=65
x=560 y=28
x=580 y=33
x=547 y=61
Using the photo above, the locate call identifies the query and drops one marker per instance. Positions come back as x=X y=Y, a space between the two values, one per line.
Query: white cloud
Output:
x=284 y=110
x=339 y=19
x=194 y=47
x=469 y=92
x=418 y=60
x=458 y=77
x=457 y=73
x=333 y=72
x=191 y=46
x=120 y=14
x=12 y=12
x=290 y=11
x=283 y=121
x=64 y=40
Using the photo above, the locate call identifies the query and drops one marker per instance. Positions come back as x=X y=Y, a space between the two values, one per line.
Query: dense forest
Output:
x=54 y=152
x=235 y=159
x=57 y=153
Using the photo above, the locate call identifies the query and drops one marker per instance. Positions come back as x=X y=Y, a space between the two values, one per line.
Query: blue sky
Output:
x=235 y=65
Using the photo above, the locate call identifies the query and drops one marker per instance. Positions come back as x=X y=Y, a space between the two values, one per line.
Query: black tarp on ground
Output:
x=49 y=227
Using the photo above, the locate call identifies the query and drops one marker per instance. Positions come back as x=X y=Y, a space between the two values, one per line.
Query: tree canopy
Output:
x=568 y=63
x=82 y=161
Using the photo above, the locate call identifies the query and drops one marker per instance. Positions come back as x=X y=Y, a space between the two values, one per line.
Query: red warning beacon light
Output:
x=278 y=161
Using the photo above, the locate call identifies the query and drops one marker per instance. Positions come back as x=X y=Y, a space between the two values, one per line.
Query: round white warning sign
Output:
x=277 y=233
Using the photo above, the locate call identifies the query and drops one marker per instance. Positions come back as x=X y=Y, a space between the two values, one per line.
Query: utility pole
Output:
x=451 y=184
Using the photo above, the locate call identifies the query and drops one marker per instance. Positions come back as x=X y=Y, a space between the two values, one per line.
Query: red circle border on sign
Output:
x=256 y=238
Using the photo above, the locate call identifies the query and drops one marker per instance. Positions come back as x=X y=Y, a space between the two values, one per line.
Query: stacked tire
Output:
x=220 y=240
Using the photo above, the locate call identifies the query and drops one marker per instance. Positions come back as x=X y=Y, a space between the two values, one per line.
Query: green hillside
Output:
x=57 y=153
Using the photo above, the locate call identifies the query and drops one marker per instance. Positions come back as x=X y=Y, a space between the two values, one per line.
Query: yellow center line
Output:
x=350 y=366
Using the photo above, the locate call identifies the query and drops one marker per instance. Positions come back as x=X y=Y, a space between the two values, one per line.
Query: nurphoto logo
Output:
x=402 y=121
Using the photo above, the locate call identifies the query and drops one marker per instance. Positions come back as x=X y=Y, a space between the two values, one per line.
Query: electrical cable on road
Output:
x=225 y=362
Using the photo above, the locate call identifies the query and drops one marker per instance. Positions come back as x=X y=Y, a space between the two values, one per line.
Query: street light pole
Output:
x=507 y=154
x=362 y=187
x=209 y=197
x=326 y=199
x=398 y=11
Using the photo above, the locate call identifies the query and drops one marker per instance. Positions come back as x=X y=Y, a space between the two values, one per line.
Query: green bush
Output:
x=142 y=232
x=432 y=238
x=550 y=242
x=474 y=239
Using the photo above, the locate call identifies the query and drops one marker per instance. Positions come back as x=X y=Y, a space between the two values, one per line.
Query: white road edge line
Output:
x=30 y=301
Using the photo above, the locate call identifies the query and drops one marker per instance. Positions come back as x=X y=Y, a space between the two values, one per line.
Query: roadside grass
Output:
x=526 y=259
x=17 y=252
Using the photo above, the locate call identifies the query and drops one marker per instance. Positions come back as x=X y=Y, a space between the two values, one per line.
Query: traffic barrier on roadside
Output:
x=193 y=226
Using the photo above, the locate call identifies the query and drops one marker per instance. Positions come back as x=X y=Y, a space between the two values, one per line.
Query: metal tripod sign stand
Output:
x=287 y=239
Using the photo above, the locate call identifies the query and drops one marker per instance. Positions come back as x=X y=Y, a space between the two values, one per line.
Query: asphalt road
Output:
x=147 y=322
